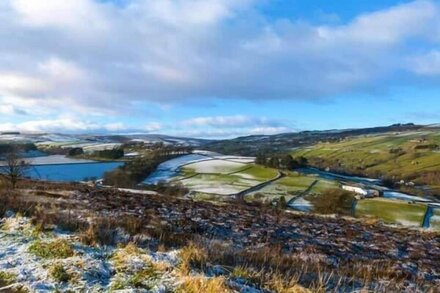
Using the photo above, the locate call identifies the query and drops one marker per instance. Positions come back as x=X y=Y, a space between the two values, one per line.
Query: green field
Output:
x=258 y=173
x=392 y=211
x=288 y=187
x=291 y=186
x=324 y=185
x=217 y=179
x=411 y=156
x=218 y=183
x=223 y=177
x=214 y=167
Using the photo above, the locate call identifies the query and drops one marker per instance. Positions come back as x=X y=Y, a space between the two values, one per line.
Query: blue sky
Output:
x=217 y=68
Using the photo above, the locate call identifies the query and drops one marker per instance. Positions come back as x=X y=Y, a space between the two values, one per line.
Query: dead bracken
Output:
x=246 y=245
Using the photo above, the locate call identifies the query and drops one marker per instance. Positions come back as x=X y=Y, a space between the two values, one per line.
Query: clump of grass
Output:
x=200 y=284
x=121 y=257
x=60 y=248
x=246 y=274
x=192 y=256
x=59 y=273
x=133 y=277
x=7 y=279
x=278 y=283
x=143 y=279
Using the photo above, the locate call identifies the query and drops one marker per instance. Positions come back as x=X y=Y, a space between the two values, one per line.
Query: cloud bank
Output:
x=101 y=57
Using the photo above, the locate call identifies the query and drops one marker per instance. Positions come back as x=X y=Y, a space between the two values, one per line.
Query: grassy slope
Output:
x=214 y=167
x=291 y=186
x=371 y=156
x=259 y=173
x=392 y=211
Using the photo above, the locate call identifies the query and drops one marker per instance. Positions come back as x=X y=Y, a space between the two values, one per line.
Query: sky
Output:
x=217 y=68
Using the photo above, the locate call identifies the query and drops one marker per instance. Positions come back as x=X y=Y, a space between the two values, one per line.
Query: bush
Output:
x=119 y=178
x=59 y=273
x=112 y=154
x=76 y=152
x=335 y=201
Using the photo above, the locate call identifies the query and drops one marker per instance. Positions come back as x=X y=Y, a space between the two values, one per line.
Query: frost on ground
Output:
x=53 y=160
x=218 y=184
x=35 y=261
x=216 y=166
x=170 y=168
x=86 y=269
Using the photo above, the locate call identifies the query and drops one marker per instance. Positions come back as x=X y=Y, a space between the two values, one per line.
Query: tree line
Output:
x=137 y=170
x=280 y=161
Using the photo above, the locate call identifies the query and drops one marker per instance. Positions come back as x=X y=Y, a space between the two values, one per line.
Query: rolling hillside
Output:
x=412 y=156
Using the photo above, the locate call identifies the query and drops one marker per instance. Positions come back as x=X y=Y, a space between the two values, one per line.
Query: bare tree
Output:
x=14 y=167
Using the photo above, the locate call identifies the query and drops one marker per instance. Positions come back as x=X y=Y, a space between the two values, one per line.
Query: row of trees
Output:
x=7 y=148
x=280 y=161
x=135 y=171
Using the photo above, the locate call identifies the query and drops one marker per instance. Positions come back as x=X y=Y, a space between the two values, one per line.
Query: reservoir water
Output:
x=71 y=172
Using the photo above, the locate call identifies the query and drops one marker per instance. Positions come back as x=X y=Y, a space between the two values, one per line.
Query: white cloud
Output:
x=389 y=26
x=54 y=125
x=226 y=121
x=10 y=110
x=16 y=83
x=427 y=65
x=269 y=130
x=230 y=126
x=89 y=57
x=72 y=14
x=152 y=126
x=114 y=127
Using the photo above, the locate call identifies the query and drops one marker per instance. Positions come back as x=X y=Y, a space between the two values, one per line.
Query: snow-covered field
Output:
x=302 y=204
x=221 y=185
x=53 y=160
x=88 y=147
x=169 y=169
x=237 y=159
x=211 y=171
x=215 y=166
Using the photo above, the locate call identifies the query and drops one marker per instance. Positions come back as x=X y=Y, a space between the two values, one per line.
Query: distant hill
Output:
x=8 y=137
x=251 y=145
x=246 y=145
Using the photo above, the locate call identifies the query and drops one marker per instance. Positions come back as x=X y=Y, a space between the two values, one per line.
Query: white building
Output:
x=361 y=191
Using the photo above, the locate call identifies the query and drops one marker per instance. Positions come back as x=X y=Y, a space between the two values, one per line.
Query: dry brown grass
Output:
x=264 y=262
x=199 y=284
x=192 y=256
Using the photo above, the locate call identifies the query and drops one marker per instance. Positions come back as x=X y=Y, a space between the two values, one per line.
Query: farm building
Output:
x=364 y=192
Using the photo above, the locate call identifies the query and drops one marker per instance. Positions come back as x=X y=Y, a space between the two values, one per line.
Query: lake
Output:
x=71 y=171
x=65 y=169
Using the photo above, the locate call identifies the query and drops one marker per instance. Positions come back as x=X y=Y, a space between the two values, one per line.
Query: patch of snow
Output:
x=244 y=175
x=302 y=205
x=403 y=196
x=169 y=169
x=216 y=166
x=52 y=160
